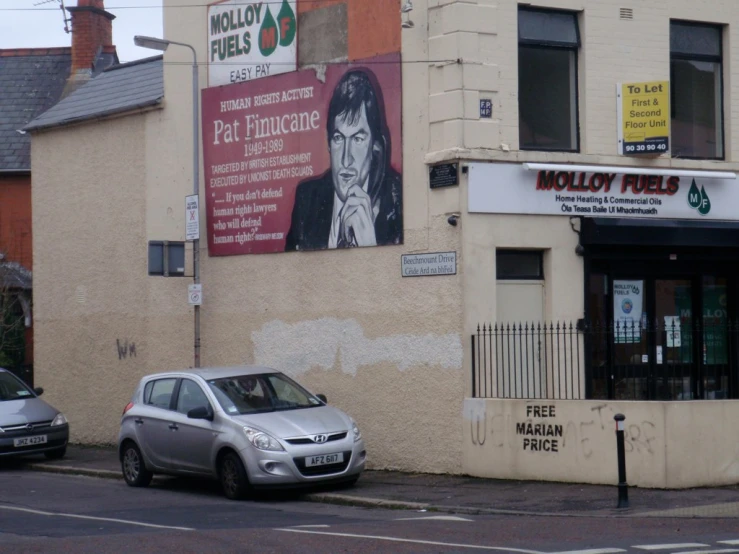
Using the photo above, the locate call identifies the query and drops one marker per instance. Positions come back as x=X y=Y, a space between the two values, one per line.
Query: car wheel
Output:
x=234 y=479
x=134 y=469
x=57 y=454
x=349 y=483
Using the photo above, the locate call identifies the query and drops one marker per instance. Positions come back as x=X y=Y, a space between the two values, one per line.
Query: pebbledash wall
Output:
x=387 y=349
x=576 y=440
x=393 y=351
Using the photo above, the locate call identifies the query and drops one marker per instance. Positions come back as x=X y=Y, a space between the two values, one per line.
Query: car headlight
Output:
x=262 y=440
x=356 y=431
x=59 y=420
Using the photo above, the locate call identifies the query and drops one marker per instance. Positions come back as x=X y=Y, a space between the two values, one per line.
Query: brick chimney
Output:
x=92 y=37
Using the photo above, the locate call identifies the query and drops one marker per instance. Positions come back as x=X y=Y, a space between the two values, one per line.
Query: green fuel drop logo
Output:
x=698 y=199
x=280 y=32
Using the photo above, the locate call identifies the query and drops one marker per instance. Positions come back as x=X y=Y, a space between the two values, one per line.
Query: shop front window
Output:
x=630 y=339
x=715 y=351
x=674 y=333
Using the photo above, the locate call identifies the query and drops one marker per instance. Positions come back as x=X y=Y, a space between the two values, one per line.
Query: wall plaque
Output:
x=443 y=175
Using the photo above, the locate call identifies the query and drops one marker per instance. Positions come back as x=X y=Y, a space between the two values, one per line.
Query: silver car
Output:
x=28 y=425
x=249 y=427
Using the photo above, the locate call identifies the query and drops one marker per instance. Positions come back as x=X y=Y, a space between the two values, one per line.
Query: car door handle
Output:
x=138 y=421
x=173 y=426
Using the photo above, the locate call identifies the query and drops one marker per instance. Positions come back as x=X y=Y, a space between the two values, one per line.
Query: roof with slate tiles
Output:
x=31 y=81
x=118 y=89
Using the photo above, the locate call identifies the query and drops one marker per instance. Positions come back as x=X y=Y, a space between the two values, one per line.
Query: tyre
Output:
x=134 y=469
x=234 y=480
x=56 y=454
x=349 y=483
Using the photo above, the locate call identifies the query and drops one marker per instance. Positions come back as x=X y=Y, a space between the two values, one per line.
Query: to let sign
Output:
x=192 y=218
x=644 y=118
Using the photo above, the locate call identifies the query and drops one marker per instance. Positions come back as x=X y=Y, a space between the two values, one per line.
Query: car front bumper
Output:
x=286 y=468
x=56 y=437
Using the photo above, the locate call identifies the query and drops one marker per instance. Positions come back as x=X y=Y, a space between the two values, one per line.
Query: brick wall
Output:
x=91 y=29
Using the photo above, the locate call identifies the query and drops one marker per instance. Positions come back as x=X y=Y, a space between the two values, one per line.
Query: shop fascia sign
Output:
x=250 y=40
x=512 y=189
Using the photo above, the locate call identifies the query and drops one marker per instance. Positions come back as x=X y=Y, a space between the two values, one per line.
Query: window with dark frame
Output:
x=696 y=90
x=519 y=264
x=166 y=258
x=548 y=43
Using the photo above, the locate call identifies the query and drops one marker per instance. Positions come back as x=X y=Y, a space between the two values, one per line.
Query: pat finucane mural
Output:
x=307 y=160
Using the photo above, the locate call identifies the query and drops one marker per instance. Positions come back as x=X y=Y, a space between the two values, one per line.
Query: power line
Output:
x=108 y=8
x=308 y=65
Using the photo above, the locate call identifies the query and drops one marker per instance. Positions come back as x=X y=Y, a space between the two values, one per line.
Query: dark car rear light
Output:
x=128 y=407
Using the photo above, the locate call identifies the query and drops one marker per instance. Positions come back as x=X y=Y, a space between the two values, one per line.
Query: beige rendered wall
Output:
x=473 y=52
x=100 y=322
x=575 y=441
x=473 y=48
x=385 y=348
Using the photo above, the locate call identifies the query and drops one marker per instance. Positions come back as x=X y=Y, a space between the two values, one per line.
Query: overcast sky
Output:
x=32 y=24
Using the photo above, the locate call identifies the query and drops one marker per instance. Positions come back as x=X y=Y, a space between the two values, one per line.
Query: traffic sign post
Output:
x=192 y=217
x=195 y=295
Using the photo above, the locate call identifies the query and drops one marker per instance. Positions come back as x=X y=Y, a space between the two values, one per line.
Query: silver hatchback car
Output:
x=249 y=427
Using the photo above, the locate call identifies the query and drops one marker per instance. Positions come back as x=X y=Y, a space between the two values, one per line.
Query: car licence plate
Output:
x=324 y=459
x=28 y=441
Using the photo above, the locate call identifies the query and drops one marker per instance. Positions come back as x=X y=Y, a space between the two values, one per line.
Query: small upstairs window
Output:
x=548 y=42
x=696 y=87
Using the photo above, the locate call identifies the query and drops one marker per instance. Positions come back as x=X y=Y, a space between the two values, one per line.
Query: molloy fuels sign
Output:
x=643 y=118
x=249 y=40
x=511 y=189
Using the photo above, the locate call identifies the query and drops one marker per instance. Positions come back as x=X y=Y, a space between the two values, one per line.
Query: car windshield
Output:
x=265 y=392
x=12 y=388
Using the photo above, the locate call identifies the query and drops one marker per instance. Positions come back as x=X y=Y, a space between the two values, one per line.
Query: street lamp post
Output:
x=162 y=45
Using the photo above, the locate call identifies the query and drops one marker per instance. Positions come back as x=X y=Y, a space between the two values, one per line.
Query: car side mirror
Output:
x=322 y=398
x=201 y=412
x=39 y=391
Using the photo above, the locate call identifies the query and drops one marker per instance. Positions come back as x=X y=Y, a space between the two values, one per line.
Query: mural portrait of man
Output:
x=358 y=200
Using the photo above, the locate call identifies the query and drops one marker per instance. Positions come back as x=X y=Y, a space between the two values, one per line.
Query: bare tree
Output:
x=15 y=312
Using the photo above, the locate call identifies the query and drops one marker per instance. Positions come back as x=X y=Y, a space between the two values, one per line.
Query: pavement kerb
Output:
x=101 y=473
x=341 y=499
x=330 y=498
x=368 y=502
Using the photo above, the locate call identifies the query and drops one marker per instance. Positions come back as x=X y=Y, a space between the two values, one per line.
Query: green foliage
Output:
x=12 y=332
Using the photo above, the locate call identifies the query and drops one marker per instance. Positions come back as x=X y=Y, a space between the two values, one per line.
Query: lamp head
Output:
x=151 y=43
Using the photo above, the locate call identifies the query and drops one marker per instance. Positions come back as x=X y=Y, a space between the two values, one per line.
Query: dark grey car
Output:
x=28 y=425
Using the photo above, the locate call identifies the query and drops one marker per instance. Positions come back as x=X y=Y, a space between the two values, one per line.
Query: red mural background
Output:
x=262 y=138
